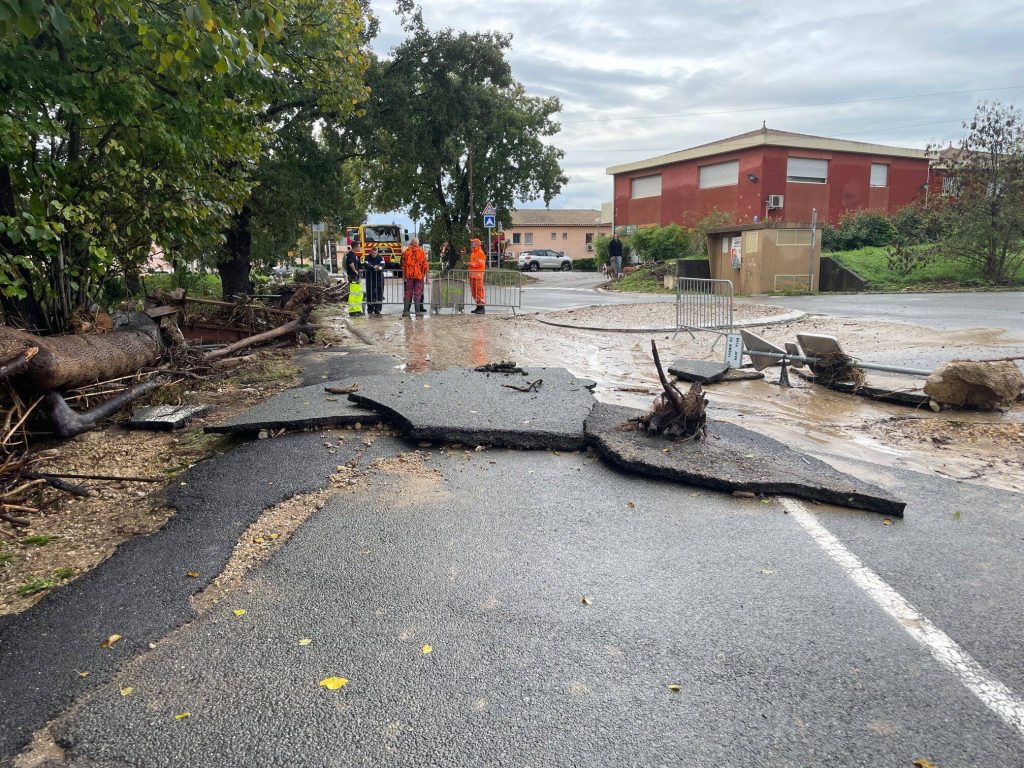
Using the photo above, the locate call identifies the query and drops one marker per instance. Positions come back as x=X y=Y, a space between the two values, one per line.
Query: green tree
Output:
x=444 y=109
x=662 y=243
x=984 y=221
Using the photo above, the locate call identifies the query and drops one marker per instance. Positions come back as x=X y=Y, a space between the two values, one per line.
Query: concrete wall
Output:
x=835 y=277
x=847 y=189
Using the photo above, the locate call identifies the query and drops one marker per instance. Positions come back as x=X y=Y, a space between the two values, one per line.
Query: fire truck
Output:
x=389 y=238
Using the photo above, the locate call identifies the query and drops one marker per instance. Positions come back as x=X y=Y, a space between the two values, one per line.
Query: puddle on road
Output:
x=813 y=419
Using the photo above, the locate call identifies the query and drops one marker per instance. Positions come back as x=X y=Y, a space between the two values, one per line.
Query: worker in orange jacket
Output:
x=415 y=270
x=477 y=265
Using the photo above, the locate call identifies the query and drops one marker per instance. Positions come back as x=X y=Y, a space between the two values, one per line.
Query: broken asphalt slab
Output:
x=465 y=406
x=142 y=591
x=163 y=418
x=701 y=371
x=311 y=407
x=334 y=363
x=730 y=459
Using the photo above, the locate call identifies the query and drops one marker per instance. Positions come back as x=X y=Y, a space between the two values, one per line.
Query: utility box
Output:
x=766 y=257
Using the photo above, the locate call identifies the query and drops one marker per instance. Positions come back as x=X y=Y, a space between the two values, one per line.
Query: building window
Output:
x=554 y=235
x=879 y=175
x=950 y=185
x=646 y=186
x=804 y=170
x=590 y=238
x=565 y=235
x=720 y=174
x=528 y=238
x=515 y=238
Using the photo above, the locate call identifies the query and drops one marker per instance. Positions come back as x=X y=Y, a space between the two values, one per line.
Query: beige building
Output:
x=766 y=257
x=570 y=231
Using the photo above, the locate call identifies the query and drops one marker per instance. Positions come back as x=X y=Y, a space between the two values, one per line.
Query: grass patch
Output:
x=37 y=541
x=7 y=557
x=33 y=586
x=872 y=264
x=643 y=280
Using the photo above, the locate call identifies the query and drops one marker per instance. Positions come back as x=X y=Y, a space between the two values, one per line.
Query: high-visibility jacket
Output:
x=477 y=260
x=414 y=263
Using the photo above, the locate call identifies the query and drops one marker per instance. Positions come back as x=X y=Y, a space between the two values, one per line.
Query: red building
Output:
x=769 y=174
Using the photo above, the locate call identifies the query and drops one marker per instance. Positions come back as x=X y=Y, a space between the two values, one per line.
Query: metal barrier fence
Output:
x=454 y=291
x=704 y=304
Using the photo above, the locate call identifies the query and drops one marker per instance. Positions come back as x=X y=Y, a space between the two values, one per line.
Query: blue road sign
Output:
x=490 y=221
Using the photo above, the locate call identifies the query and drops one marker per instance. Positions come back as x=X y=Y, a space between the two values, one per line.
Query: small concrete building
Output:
x=765 y=257
x=569 y=230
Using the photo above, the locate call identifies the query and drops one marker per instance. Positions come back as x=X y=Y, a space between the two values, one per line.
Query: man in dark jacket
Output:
x=615 y=254
x=374 y=282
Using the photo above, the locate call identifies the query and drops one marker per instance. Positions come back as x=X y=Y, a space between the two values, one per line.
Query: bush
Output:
x=863 y=229
x=585 y=265
x=699 y=238
x=662 y=243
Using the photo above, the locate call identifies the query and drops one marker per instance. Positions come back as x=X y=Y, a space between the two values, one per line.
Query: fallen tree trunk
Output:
x=295 y=326
x=65 y=362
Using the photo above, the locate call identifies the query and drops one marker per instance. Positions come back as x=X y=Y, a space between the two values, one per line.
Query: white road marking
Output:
x=942 y=647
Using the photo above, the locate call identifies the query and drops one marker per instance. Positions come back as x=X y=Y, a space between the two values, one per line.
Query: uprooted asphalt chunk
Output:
x=300 y=408
x=731 y=458
x=464 y=406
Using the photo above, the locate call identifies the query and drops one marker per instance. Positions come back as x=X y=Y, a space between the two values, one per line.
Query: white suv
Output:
x=544 y=259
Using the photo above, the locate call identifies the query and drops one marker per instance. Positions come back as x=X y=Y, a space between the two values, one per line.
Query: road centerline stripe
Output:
x=996 y=696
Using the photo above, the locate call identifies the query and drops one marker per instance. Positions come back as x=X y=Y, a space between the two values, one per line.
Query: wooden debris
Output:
x=674 y=414
x=533 y=386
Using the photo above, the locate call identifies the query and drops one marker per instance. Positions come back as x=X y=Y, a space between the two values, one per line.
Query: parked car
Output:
x=544 y=258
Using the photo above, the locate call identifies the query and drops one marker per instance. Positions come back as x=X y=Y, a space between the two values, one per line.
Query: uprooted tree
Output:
x=674 y=414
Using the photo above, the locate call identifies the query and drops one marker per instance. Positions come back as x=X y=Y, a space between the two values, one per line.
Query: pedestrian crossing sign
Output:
x=490 y=221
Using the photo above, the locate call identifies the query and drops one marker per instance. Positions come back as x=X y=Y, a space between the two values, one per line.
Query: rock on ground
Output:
x=964 y=383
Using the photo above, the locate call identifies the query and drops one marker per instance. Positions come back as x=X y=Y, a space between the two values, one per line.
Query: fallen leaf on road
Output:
x=192 y=574
x=922 y=762
x=674 y=687
x=744 y=494
x=630 y=505
x=767 y=571
x=258 y=540
x=183 y=715
x=127 y=690
x=274 y=536
x=426 y=386
x=334 y=683
x=427 y=648
x=887 y=521
x=305 y=641
x=956 y=515
x=585 y=600
x=110 y=641
x=239 y=611
x=83 y=674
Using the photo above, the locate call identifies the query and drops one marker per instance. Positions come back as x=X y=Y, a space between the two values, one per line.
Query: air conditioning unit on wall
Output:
x=774 y=202
x=590 y=246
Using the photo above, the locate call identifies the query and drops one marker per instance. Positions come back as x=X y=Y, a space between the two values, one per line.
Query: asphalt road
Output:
x=780 y=658
x=571 y=290
x=942 y=311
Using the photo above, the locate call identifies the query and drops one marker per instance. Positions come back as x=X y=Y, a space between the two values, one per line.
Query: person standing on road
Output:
x=477 y=265
x=414 y=270
x=615 y=254
x=374 y=282
x=355 y=289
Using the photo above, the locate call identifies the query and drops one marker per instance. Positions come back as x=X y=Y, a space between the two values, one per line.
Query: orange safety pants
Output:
x=476 y=286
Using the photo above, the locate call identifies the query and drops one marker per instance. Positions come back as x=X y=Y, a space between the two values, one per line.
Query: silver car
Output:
x=543 y=258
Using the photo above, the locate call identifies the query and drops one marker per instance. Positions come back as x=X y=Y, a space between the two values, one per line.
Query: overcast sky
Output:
x=632 y=74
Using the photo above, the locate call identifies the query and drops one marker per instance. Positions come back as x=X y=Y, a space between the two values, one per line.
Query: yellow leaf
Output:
x=426 y=386
x=83 y=674
x=674 y=687
x=239 y=611
x=110 y=641
x=887 y=521
x=630 y=505
x=767 y=571
x=923 y=762
x=585 y=600
x=427 y=648
x=127 y=690
x=274 y=536
x=192 y=574
x=305 y=641
x=334 y=683
x=258 y=540
x=182 y=715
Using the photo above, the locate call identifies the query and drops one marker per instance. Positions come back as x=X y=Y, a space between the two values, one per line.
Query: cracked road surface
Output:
x=780 y=658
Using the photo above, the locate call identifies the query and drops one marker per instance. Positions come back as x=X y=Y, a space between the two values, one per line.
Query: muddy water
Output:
x=805 y=417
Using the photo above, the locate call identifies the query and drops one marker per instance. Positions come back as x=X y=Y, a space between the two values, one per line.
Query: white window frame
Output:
x=645 y=186
x=885 y=175
x=799 y=170
x=716 y=175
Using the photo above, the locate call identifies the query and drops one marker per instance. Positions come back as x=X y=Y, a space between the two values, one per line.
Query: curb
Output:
x=789 y=317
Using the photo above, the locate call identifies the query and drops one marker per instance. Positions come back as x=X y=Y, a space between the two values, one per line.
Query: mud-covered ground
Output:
x=982 y=447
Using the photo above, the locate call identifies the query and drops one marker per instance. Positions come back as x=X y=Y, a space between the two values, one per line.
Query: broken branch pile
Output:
x=674 y=414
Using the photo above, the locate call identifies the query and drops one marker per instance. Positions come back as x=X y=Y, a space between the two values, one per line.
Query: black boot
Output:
x=405 y=310
x=479 y=309
x=421 y=309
